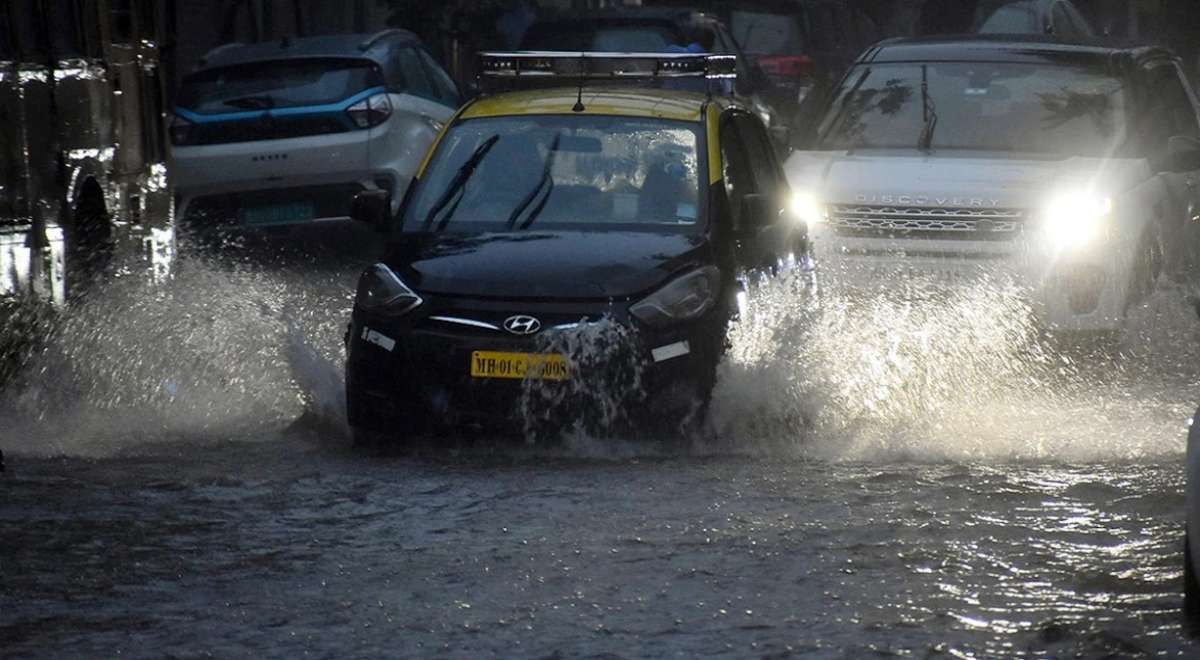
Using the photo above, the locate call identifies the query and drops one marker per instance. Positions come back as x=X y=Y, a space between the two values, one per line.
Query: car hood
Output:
x=564 y=265
x=984 y=180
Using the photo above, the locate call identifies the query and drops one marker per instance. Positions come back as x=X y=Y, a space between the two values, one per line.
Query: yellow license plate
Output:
x=534 y=366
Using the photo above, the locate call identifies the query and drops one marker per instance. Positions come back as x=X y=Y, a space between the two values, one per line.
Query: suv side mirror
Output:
x=1183 y=154
x=373 y=208
x=782 y=137
x=758 y=211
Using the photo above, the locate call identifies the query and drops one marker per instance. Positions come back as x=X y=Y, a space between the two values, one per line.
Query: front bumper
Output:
x=415 y=372
x=1081 y=290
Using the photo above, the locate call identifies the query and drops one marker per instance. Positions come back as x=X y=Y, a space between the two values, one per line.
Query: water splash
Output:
x=219 y=349
x=606 y=383
x=921 y=371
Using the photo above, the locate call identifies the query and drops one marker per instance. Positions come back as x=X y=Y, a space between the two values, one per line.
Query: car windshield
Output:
x=1039 y=108
x=281 y=84
x=576 y=172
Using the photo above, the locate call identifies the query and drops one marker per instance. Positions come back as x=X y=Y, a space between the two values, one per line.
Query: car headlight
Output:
x=381 y=291
x=807 y=208
x=1076 y=218
x=683 y=299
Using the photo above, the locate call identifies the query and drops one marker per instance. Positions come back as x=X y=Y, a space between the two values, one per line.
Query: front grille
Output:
x=974 y=224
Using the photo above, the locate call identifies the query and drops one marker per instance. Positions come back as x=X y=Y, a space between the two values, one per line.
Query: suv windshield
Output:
x=1039 y=108
x=573 y=172
x=281 y=84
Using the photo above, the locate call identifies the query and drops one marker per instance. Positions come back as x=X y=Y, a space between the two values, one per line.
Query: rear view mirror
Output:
x=372 y=208
x=757 y=211
x=1183 y=155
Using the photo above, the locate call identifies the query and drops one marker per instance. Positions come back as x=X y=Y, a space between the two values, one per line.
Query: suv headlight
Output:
x=683 y=299
x=382 y=292
x=807 y=208
x=1076 y=218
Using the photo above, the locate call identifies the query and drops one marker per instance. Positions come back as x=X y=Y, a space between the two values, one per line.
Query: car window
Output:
x=278 y=84
x=443 y=86
x=1168 y=111
x=760 y=153
x=1000 y=106
x=412 y=77
x=736 y=170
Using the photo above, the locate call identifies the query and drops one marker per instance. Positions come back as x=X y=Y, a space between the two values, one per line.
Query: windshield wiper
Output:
x=546 y=181
x=458 y=182
x=842 y=101
x=928 y=112
x=256 y=102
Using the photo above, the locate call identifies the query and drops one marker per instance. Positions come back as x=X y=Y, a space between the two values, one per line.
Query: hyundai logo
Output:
x=522 y=325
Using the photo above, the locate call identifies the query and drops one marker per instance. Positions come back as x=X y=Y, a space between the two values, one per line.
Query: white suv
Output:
x=287 y=132
x=1071 y=168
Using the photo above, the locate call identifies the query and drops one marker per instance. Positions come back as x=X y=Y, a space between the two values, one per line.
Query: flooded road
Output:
x=879 y=479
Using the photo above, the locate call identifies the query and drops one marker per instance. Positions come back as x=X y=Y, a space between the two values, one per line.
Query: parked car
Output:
x=1056 y=18
x=544 y=218
x=1071 y=168
x=287 y=132
x=803 y=46
x=651 y=30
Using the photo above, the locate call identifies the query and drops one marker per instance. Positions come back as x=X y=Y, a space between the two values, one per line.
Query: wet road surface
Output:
x=968 y=494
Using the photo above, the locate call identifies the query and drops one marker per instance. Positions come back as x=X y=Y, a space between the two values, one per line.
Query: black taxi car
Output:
x=565 y=244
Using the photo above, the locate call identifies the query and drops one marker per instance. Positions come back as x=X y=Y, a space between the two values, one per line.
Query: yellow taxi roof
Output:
x=631 y=102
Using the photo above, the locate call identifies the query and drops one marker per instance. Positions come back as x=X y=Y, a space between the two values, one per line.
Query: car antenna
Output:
x=582 y=74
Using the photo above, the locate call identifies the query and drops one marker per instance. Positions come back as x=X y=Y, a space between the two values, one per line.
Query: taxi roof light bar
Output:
x=606 y=66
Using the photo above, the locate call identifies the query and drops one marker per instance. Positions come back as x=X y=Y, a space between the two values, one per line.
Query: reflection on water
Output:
x=885 y=477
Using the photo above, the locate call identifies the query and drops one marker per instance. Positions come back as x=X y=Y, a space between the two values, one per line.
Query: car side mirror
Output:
x=781 y=136
x=1183 y=154
x=372 y=208
x=757 y=211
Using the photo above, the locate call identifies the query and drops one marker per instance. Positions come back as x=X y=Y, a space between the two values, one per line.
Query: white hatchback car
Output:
x=1072 y=169
x=288 y=132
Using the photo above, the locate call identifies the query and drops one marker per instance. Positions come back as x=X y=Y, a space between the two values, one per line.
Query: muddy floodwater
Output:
x=905 y=475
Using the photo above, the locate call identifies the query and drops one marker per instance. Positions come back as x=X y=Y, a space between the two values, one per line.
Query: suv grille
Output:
x=973 y=224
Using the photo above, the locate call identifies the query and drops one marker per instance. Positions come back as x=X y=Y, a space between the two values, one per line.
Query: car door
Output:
x=1170 y=112
x=751 y=167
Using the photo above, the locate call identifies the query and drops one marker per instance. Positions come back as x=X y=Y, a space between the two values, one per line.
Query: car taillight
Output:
x=180 y=130
x=787 y=66
x=370 y=112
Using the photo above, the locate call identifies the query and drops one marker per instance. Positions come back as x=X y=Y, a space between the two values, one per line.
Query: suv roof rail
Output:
x=379 y=36
x=218 y=50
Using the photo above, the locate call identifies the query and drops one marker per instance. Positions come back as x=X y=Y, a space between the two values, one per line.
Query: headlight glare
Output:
x=1076 y=218
x=683 y=299
x=807 y=208
x=381 y=291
